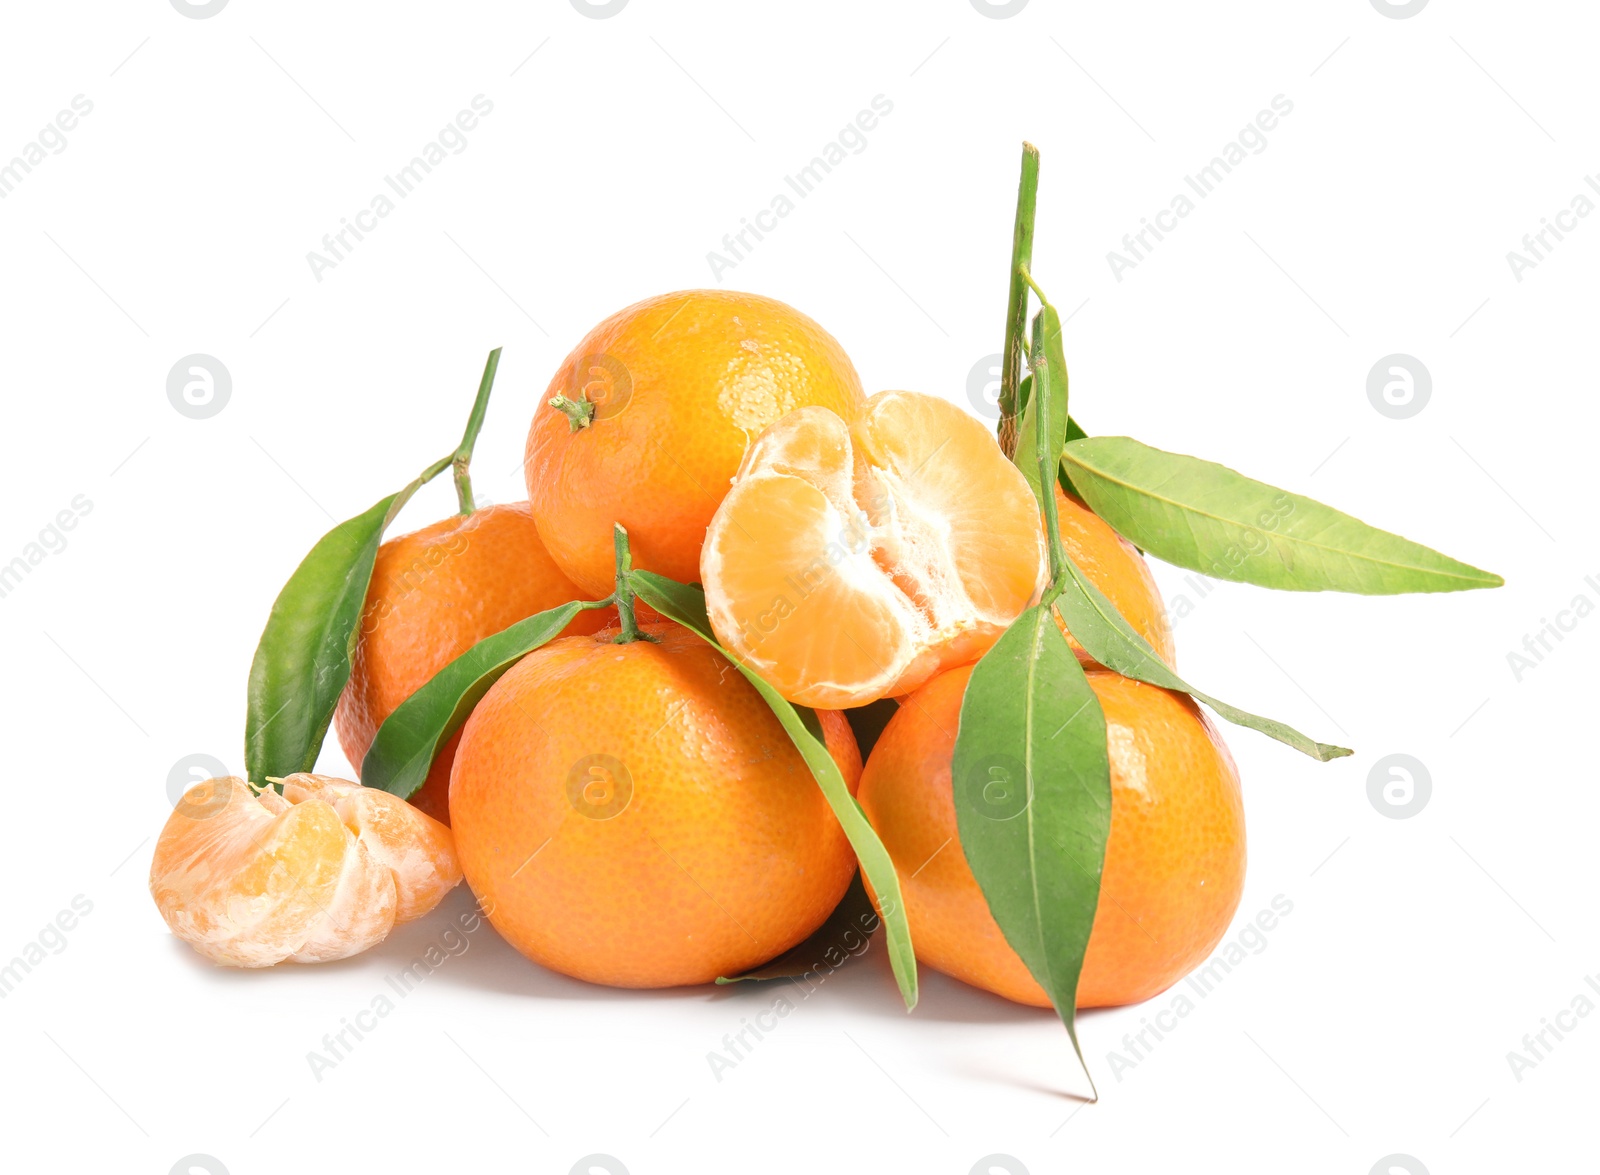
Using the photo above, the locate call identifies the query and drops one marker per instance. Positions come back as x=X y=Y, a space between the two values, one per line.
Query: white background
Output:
x=177 y=220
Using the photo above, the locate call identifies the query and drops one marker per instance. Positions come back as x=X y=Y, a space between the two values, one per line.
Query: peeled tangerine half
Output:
x=321 y=872
x=852 y=562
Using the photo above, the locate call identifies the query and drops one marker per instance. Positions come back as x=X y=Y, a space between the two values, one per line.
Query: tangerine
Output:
x=249 y=877
x=853 y=560
x=634 y=814
x=647 y=419
x=1174 y=861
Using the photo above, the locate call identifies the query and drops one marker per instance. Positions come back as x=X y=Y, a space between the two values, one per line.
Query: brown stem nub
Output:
x=579 y=412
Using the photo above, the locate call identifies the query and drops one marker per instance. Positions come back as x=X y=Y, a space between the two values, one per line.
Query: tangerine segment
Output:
x=966 y=519
x=635 y=815
x=418 y=850
x=251 y=879
x=852 y=562
x=1174 y=862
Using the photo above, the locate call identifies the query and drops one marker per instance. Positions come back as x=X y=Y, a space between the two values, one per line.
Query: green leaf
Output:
x=842 y=937
x=303 y=659
x=403 y=750
x=1110 y=640
x=1047 y=330
x=1074 y=433
x=687 y=606
x=1032 y=788
x=1208 y=518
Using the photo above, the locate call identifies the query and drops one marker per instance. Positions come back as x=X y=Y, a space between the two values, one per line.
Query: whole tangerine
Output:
x=648 y=418
x=635 y=815
x=1174 y=861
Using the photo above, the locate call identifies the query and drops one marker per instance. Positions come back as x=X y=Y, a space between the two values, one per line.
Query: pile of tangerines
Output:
x=629 y=810
x=726 y=653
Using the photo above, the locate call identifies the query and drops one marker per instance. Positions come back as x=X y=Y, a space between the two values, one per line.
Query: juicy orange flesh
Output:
x=849 y=563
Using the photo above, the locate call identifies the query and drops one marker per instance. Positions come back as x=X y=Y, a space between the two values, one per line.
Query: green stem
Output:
x=624 y=593
x=462 y=458
x=435 y=469
x=1017 y=298
x=1024 y=273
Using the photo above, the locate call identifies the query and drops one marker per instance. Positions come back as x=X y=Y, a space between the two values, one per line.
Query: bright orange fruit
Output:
x=250 y=878
x=853 y=560
x=634 y=814
x=661 y=400
x=1175 y=859
x=434 y=594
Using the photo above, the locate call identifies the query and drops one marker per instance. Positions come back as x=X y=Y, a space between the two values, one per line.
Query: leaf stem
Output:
x=1017 y=298
x=462 y=458
x=624 y=593
x=435 y=470
x=1024 y=273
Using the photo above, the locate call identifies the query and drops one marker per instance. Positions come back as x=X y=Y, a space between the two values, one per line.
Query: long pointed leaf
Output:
x=1209 y=518
x=1032 y=787
x=403 y=750
x=1110 y=640
x=687 y=606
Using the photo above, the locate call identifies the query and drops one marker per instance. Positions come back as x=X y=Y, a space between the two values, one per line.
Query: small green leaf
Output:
x=403 y=750
x=303 y=659
x=1110 y=640
x=841 y=938
x=687 y=606
x=1032 y=787
x=1208 y=518
x=1047 y=330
